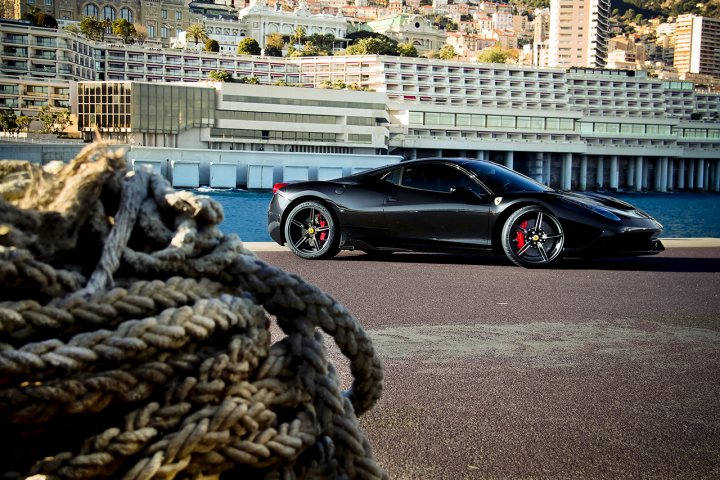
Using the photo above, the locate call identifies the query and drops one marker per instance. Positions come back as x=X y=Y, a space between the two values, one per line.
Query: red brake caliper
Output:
x=520 y=237
x=322 y=223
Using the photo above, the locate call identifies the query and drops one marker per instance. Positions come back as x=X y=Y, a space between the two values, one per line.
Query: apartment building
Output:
x=161 y=18
x=697 y=45
x=533 y=119
x=578 y=33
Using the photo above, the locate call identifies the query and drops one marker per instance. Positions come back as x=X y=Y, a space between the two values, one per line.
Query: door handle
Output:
x=391 y=199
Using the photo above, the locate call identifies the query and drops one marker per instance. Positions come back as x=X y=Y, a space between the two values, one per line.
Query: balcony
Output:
x=16 y=52
x=47 y=43
x=43 y=70
x=16 y=40
x=44 y=56
x=14 y=66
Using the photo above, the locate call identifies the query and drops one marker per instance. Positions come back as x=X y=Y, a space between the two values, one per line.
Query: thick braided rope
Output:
x=137 y=345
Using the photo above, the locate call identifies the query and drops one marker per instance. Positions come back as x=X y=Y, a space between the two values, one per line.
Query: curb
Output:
x=668 y=242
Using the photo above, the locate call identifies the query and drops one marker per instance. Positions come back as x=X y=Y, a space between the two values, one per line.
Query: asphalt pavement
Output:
x=591 y=370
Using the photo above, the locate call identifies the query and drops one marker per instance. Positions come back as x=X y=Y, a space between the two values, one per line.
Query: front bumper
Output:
x=631 y=242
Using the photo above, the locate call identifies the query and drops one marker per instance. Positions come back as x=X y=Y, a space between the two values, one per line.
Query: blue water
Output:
x=684 y=215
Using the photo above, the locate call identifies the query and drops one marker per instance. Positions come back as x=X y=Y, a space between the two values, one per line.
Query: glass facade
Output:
x=302 y=102
x=508 y=122
x=241 y=134
x=276 y=117
x=152 y=108
x=629 y=129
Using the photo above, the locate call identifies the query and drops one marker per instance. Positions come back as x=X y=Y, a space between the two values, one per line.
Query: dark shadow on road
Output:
x=659 y=263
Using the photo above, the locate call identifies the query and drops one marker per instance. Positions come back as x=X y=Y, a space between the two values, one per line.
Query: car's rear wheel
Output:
x=532 y=237
x=311 y=231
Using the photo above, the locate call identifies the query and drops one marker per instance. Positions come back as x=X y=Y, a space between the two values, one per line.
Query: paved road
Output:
x=603 y=369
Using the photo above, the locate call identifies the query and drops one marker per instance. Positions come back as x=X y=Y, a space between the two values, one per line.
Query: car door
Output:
x=437 y=204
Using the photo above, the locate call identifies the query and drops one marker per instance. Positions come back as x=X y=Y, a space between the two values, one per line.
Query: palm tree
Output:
x=197 y=32
x=298 y=36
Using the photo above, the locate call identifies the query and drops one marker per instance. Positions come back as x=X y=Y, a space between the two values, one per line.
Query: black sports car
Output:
x=455 y=205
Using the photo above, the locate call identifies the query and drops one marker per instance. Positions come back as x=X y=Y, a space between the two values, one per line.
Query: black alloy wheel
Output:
x=532 y=237
x=311 y=231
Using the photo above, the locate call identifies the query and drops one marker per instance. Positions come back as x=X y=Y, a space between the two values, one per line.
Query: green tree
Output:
x=494 y=54
x=373 y=46
x=23 y=122
x=325 y=43
x=124 y=29
x=336 y=85
x=54 y=121
x=92 y=28
x=447 y=52
x=37 y=17
x=298 y=36
x=308 y=50
x=407 y=50
x=8 y=120
x=46 y=20
x=212 y=45
x=31 y=15
x=197 y=32
x=444 y=23
x=220 y=76
x=248 y=46
x=274 y=45
x=73 y=28
x=249 y=80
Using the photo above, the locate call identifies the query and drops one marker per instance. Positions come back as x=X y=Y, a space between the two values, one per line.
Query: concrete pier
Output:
x=255 y=169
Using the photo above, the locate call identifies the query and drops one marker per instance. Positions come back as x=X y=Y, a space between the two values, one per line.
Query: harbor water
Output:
x=684 y=215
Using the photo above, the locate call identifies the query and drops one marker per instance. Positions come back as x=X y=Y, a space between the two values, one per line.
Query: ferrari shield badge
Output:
x=498 y=200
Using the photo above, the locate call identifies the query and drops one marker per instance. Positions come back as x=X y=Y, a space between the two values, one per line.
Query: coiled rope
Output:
x=135 y=341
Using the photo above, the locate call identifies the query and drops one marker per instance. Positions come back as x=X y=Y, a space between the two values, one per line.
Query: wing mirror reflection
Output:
x=461 y=190
x=465 y=192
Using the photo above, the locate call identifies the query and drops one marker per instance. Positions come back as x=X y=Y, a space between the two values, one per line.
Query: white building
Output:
x=502 y=20
x=409 y=28
x=578 y=33
x=697 y=45
x=259 y=20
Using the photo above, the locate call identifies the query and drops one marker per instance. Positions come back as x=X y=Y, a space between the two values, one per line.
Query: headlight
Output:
x=602 y=211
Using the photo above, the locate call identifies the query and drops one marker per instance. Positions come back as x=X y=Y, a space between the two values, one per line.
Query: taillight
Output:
x=278 y=186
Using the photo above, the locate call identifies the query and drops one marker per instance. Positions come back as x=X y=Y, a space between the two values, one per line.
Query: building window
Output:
x=178 y=16
x=90 y=10
x=163 y=14
x=49 y=3
x=163 y=32
x=151 y=30
x=109 y=14
x=127 y=14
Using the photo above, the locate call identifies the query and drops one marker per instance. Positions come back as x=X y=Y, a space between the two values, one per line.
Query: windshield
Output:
x=502 y=180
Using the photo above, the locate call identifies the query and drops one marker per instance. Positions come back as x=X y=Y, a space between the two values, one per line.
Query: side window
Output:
x=393 y=176
x=436 y=178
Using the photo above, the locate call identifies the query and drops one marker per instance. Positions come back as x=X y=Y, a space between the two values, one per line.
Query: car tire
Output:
x=311 y=231
x=532 y=237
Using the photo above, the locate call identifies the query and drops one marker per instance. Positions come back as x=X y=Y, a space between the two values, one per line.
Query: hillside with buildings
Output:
x=630 y=101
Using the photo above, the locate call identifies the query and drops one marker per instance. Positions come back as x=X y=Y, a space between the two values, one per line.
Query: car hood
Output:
x=603 y=203
x=596 y=200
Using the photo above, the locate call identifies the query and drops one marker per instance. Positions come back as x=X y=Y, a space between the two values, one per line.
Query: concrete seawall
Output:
x=668 y=242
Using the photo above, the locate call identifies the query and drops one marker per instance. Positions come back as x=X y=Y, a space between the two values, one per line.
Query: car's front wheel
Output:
x=311 y=231
x=532 y=237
